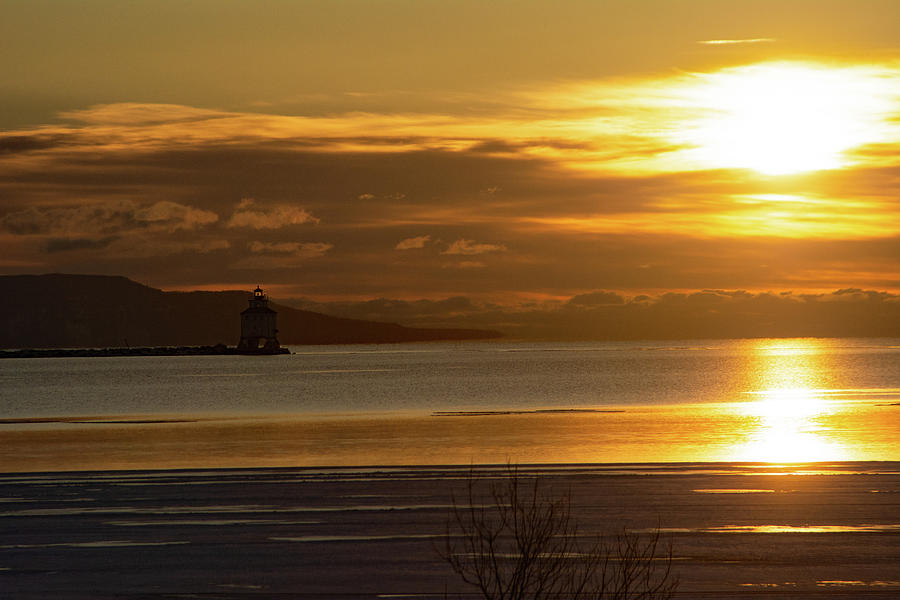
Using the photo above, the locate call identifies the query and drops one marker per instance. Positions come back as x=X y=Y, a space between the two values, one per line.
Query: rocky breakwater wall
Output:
x=218 y=349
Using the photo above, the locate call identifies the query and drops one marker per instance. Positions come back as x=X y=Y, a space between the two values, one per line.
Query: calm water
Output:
x=447 y=377
x=772 y=400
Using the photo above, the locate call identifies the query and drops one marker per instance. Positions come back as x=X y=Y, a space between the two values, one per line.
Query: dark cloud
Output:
x=105 y=217
x=458 y=308
x=215 y=177
x=507 y=147
x=218 y=176
x=712 y=314
x=68 y=244
x=14 y=144
x=284 y=255
x=595 y=299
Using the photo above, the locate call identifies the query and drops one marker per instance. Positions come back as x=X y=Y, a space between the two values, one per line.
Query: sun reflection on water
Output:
x=788 y=414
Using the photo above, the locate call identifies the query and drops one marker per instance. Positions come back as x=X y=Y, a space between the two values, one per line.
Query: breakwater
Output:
x=218 y=349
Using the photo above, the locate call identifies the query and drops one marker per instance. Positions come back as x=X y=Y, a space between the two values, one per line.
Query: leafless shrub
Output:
x=519 y=541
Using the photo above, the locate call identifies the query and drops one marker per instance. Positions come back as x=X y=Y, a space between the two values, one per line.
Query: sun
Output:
x=784 y=118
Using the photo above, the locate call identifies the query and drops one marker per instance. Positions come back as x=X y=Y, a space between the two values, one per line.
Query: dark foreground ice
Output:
x=739 y=531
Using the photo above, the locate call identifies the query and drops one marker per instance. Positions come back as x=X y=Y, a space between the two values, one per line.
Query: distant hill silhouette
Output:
x=85 y=311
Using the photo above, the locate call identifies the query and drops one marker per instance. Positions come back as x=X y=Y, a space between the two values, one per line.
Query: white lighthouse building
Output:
x=259 y=335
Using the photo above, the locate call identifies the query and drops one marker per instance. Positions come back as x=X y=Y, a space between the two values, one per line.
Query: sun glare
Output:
x=789 y=410
x=785 y=118
x=789 y=429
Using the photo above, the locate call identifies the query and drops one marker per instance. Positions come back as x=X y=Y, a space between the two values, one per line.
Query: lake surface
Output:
x=746 y=400
x=772 y=465
x=740 y=532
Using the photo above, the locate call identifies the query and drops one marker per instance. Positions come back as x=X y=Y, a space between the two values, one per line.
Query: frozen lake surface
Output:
x=352 y=534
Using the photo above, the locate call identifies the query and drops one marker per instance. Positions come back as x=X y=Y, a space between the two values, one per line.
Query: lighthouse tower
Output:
x=258 y=332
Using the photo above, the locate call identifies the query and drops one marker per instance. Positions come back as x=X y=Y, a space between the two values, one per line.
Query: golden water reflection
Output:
x=790 y=415
x=784 y=402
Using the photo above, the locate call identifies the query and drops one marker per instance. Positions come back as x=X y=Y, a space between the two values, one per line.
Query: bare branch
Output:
x=518 y=541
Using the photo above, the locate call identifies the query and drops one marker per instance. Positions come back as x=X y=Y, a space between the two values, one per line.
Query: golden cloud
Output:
x=466 y=247
x=273 y=217
x=413 y=242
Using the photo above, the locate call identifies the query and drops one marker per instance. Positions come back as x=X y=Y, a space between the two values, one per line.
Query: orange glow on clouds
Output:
x=773 y=118
x=769 y=153
x=756 y=215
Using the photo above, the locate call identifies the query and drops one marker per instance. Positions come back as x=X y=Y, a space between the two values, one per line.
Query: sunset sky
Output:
x=497 y=153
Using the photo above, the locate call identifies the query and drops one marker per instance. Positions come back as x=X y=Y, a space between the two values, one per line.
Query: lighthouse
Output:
x=259 y=335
